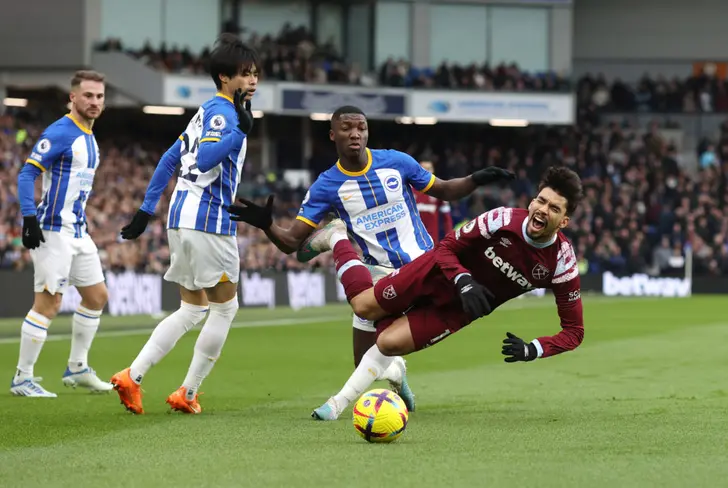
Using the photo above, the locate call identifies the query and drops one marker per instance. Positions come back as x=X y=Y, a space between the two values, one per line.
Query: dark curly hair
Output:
x=564 y=182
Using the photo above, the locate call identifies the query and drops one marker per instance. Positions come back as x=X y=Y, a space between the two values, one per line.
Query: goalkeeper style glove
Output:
x=492 y=174
x=474 y=297
x=32 y=234
x=252 y=213
x=516 y=349
x=137 y=226
x=245 y=116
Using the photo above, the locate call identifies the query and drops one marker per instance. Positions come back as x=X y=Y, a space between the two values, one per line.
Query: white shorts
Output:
x=377 y=272
x=201 y=260
x=63 y=260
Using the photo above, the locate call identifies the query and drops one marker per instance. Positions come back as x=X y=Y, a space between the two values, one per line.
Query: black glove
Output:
x=516 y=349
x=245 y=116
x=137 y=226
x=253 y=214
x=474 y=297
x=492 y=174
x=32 y=234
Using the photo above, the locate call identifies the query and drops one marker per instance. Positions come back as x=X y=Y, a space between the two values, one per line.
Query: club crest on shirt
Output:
x=540 y=271
x=389 y=293
x=392 y=183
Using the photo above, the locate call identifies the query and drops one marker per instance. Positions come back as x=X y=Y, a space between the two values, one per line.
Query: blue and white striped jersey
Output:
x=67 y=156
x=212 y=154
x=377 y=205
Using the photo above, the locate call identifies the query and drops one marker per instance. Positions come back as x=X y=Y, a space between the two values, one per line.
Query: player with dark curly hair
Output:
x=496 y=257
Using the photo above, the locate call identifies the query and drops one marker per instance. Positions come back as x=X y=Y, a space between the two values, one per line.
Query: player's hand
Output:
x=137 y=226
x=245 y=115
x=32 y=234
x=492 y=174
x=474 y=297
x=253 y=214
x=516 y=349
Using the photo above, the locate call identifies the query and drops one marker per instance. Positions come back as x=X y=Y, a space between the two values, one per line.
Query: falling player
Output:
x=498 y=256
x=371 y=191
x=204 y=258
x=57 y=235
x=432 y=210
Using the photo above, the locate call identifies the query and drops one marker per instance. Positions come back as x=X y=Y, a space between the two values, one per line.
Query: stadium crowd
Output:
x=293 y=55
x=704 y=92
x=641 y=209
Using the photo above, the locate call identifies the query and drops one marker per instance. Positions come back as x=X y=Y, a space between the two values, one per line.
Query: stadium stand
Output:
x=293 y=55
x=705 y=93
x=641 y=207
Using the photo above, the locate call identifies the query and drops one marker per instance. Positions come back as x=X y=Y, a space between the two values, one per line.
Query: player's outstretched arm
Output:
x=458 y=188
x=566 y=287
x=287 y=240
x=160 y=179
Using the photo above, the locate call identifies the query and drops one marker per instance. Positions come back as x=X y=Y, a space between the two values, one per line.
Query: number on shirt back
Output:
x=186 y=171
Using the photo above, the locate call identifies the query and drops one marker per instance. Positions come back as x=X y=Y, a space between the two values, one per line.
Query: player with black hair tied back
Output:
x=204 y=259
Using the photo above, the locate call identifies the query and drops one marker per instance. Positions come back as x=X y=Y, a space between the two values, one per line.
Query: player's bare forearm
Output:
x=281 y=239
x=454 y=189
x=290 y=239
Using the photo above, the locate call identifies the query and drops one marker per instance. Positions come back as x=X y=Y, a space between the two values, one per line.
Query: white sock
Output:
x=209 y=344
x=335 y=238
x=33 y=335
x=394 y=371
x=85 y=325
x=164 y=337
x=371 y=367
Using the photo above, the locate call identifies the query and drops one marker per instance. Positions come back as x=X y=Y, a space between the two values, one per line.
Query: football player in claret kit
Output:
x=56 y=233
x=371 y=191
x=204 y=258
x=498 y=256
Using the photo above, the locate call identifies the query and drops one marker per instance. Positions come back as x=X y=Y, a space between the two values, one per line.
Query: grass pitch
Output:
x=641 y=403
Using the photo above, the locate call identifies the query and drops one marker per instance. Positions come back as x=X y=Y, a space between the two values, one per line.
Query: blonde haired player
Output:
x=204 y=259
x=57 y=235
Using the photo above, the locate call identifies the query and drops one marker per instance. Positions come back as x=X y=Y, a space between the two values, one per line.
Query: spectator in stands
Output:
x=293 y=55
x=641 y=209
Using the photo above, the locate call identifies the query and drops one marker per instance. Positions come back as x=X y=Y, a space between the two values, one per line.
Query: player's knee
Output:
x=193 y=313
x=388 y=344
x=228 y=309
x=97 y=299
x=364 y=309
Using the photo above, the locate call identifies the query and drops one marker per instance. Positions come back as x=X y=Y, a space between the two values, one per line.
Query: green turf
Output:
x=642 y=403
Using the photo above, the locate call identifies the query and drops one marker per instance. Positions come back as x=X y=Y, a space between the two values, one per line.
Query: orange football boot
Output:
x=178 y=401
x=129 y=392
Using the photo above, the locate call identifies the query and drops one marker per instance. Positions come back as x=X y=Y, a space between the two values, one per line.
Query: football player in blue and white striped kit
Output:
x=371 y=192
x=56 y=233
x=204 y=258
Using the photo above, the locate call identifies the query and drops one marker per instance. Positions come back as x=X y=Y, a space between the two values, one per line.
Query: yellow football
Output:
x=380 y=416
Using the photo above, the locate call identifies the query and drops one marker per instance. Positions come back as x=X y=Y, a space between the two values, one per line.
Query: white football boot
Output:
x=86 y=378
x=30 y=387
x=328 y=411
